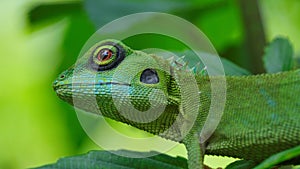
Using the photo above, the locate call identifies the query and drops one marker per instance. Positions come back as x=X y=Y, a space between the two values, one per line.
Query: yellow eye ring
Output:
x=107 y=56
x=103 y=55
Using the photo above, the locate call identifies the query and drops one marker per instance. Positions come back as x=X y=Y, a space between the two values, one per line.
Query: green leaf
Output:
x=105 y=11
x=46 y=12
x=278 y=56
x=232 y=69
x=241 y=164
x=105 y=159
x=289 y=154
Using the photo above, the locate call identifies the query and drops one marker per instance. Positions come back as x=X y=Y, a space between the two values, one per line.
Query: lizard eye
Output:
x=106 y=56
x=149 y=76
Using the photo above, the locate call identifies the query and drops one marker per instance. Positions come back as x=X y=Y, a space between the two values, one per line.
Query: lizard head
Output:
x=128 y=86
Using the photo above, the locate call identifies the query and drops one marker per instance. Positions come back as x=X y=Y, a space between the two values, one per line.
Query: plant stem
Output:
x=254 y=34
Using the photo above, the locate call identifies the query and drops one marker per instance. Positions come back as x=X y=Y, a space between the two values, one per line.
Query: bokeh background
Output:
x=41 y=38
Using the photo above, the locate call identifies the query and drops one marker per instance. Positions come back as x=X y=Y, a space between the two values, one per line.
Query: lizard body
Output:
x=261 y=115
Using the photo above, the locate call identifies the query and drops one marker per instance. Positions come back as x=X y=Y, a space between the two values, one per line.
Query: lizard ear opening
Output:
x=149 y=76
x=106 y=56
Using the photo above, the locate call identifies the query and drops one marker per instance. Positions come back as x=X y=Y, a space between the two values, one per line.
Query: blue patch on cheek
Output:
x=272 y=103
x=99 y=81
x=102 y=80
x=274 y=116
x=268 y=98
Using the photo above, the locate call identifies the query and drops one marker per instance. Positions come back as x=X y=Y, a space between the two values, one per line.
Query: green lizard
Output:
x=261 y=115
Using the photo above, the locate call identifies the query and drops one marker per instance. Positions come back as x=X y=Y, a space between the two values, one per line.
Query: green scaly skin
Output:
x=261 y=115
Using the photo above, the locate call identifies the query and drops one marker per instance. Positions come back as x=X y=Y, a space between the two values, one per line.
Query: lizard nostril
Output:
x=62 y=76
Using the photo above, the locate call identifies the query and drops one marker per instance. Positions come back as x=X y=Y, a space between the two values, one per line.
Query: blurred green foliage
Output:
x=42 y=38
x=279 y=56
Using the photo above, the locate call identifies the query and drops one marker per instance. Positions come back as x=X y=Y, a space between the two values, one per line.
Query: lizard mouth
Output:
x=86 y=91
x=57 y=86
x=78 y=86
